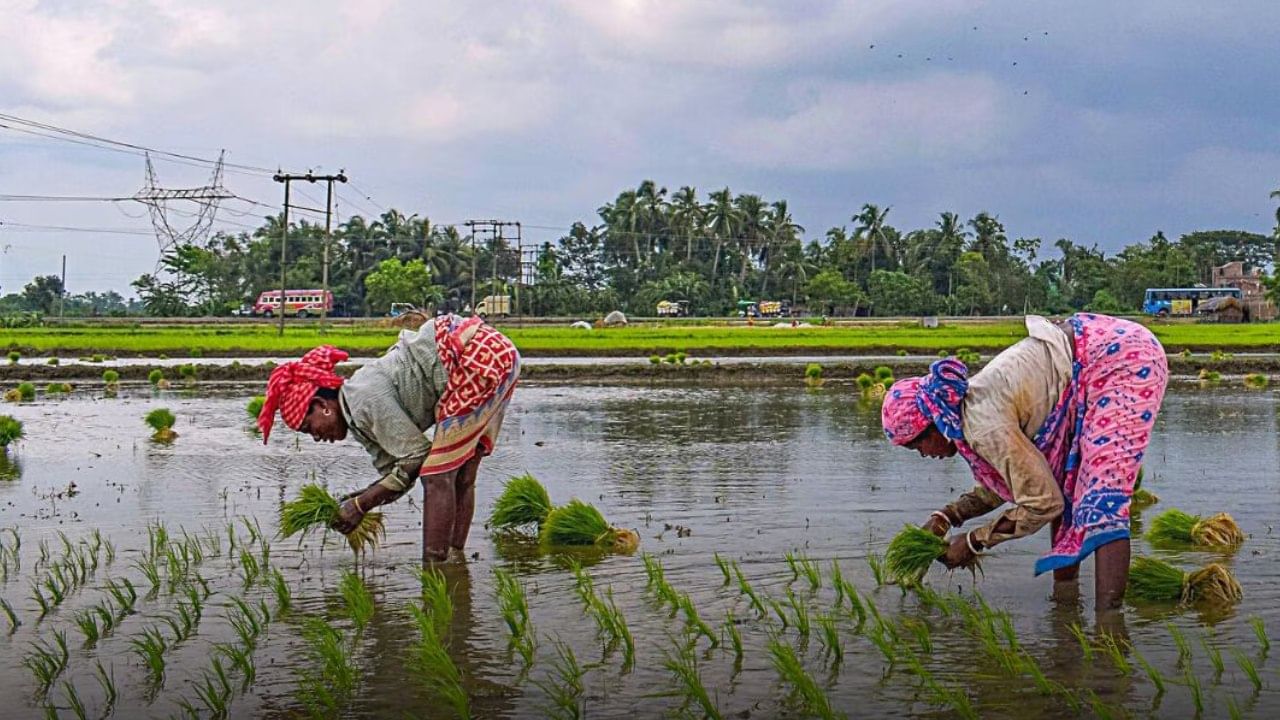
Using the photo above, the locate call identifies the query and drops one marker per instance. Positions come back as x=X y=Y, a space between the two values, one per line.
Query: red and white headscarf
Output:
x=293 y=384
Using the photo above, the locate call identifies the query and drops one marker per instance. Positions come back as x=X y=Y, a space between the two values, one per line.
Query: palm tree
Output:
x=871 y=222
x=781 y=231
x=793 y=264
x=649 y=211
x=687 y=215
x=1275 y=195
x=754 y=215
x=723 y=221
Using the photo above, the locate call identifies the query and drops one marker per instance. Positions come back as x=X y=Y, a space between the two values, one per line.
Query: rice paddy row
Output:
x=638 y=340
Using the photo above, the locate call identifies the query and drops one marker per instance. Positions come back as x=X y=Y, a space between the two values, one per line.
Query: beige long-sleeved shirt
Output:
x=1007 y=403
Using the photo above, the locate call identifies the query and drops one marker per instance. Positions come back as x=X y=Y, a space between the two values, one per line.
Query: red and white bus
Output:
x=302 y=303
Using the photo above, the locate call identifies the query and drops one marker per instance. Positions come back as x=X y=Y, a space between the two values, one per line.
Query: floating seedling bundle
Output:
x=161 y=420
x=1176 y=526
x=525 y=502
x=1158 y=581
x=315 y=507
x=911 y=552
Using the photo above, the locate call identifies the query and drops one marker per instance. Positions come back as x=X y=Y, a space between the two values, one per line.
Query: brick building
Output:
x=1249 y=281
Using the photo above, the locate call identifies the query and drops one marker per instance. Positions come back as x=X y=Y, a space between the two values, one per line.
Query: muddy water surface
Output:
x=750 y=474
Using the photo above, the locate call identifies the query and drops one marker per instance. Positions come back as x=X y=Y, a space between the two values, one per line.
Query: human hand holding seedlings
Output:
x=958 y=553
x=353 y=508
x=938 y=523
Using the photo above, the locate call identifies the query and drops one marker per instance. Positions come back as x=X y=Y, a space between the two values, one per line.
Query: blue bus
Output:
x=1163 y=302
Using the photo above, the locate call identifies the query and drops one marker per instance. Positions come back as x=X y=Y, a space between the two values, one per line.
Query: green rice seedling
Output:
x=800 y=614
x=250 y=569
x=431 y=659
x=837 y=583
x=254 y=407
x=73 y=700
x=724 y=568
x=187 y=371
x=1180 y=642
x=14 y=357
x=56 y=388
x=147 y=566
x=124 y=594
x=1260 y=631
x=107 y=681
x=683 y=666
x=856 y=608
x=803 y=687
x=811 y=571
x=241 y=659
x=565 y=692
x=813 y=375
x=655 y=360
x=781 y=612
x=514 y=606
x=56 y=584
x=161 y=421
x=1257 y=381
x=1233 y=709
x=580 y=524
x=183 y=621
x=867 y=384
x=793 y=564
x=1086 y=647
x=735 y=636
x=87 y=621
x=1174 y=526
x=619 y=630
x=1115 y=649
x=694 y=621
x=920 y=629
x=910 y=554
x=876 y=563
x=283 y=593
x=1007 y=630
x=1197 y=693
x=832 y=645
x=10 y=615
x=26 y=391
x=1215 y=655
x=214 y=690
x=523 y=502
x=1100 y=708
x=325 y=690
x=47 y=661
x=745 y=588
x=1153 y=674
x=110 y=378
x=1249 y=668
x=245 y=622
x=155 y=377
x=315 y=507
x=10 y=430
x=883 y=373
x=151 y=648
x=41 y=600
x=1157 y=581
x=358 y=599
x=582 y=584
x=652 y=569
x=884 y=643
x=436 y=598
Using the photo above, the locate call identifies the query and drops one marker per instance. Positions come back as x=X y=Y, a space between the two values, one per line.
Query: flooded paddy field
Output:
x=749 y=474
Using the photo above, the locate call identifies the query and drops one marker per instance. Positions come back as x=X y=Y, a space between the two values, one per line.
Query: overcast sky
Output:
x=1097 y=121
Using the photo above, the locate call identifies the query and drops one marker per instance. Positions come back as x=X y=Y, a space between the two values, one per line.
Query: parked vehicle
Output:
x=494 y=305
x=1163 y=302
x=764 y=308
x=299 y=303
x=673 y=308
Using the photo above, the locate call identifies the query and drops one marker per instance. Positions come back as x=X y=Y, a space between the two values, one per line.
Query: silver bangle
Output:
x=968 y=540
x=943 y=516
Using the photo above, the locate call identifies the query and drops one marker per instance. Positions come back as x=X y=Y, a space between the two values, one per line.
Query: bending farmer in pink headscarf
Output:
x=1057 y=425
x=454 y=373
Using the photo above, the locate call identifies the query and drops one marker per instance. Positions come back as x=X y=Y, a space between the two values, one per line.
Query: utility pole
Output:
x=63 y=290
x=493 y=230
x=288 y=178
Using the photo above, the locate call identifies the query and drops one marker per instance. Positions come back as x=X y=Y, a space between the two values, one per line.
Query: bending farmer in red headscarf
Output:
x=1056 y=425
x=454 y=373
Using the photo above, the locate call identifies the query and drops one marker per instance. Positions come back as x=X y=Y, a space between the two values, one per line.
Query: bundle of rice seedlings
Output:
x=1143 y=498
x=869 y=386
x=1176 y=526
x=1158 y=581
x=161 y=420
x=813 y=375
x=110 y=377
x=26 y=391
x=14 y=357
x=316 y=507
x=910 y=554
x=1257 y=381
x=10 y=430
x=579 y=523
x=524 y=501
x=1208 y=376
x=155 y=376
x=255 y=406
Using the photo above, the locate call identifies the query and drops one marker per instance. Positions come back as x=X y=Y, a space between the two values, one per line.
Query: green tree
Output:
x=973 y=287
x=396 y=281
x=835 y=294
x=42 y=293
x=897 y=293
